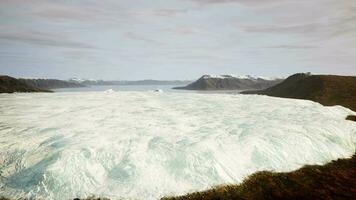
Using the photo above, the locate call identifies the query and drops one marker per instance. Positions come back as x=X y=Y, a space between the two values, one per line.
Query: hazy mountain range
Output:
x=10 y=84
x=125 y=82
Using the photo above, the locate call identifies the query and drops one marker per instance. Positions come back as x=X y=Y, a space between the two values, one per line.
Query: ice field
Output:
x=145 y=145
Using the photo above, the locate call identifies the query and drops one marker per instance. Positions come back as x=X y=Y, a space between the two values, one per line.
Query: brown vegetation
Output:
x=336 y=180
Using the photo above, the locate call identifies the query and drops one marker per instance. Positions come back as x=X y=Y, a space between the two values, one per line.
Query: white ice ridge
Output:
x=140 y=145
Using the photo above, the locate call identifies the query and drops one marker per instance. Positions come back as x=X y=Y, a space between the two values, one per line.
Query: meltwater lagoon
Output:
x=145 y=145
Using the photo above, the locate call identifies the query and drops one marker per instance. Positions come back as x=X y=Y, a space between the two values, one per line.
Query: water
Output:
x=167 y=88
x=145 y=145
x=141 y=88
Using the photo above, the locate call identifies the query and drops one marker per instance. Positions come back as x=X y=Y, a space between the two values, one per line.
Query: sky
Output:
x=176 y=39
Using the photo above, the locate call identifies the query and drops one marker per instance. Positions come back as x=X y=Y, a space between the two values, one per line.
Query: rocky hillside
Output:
x=228 y=82
x=50 y=83
x=10 y=85
x=328 y=90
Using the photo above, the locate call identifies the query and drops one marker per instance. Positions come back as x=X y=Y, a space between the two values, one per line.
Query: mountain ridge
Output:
x=89 y=82
x=230 y=82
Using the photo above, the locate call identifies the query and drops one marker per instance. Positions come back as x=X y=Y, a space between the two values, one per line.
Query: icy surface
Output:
x=144 y=145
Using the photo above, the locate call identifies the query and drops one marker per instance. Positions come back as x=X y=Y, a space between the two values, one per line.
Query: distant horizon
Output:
x=156 y=79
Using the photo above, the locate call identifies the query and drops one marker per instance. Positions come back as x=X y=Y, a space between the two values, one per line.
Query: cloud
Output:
x=169 y=12
x=294 y=29
x=301 y=47
x=160 y=13
x=40 y=38
x=65 y=13
x=181 y=31
x=137 y=37
x=245 y=2
x=142 y=37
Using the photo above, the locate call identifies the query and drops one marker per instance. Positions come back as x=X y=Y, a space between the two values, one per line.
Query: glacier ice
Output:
x=144 y=145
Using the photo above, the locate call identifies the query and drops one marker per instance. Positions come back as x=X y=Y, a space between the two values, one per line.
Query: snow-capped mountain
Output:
x=231 y=82
x=123 y=82
x=232 y=76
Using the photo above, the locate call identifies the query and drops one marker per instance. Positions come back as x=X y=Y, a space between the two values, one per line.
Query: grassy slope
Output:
x=336 y=180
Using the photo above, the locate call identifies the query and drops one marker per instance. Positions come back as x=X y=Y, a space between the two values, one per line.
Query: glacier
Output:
x=145 y=145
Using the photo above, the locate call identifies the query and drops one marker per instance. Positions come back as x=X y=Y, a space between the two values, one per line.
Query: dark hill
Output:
x=227 y=82
x=10 y=85
x=328 y=90
x=50 y=83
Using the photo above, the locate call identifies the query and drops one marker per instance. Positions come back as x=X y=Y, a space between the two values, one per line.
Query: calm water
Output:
x=139 y=88
x=119 y=88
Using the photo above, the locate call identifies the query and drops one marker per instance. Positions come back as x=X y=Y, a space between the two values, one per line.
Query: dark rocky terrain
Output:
x=227 y=82
x=333 y=181
x=328 y=90
x=50 y=83
x=10 y=85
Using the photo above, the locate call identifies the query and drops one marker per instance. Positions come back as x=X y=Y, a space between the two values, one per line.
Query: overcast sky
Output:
x=176 y=39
